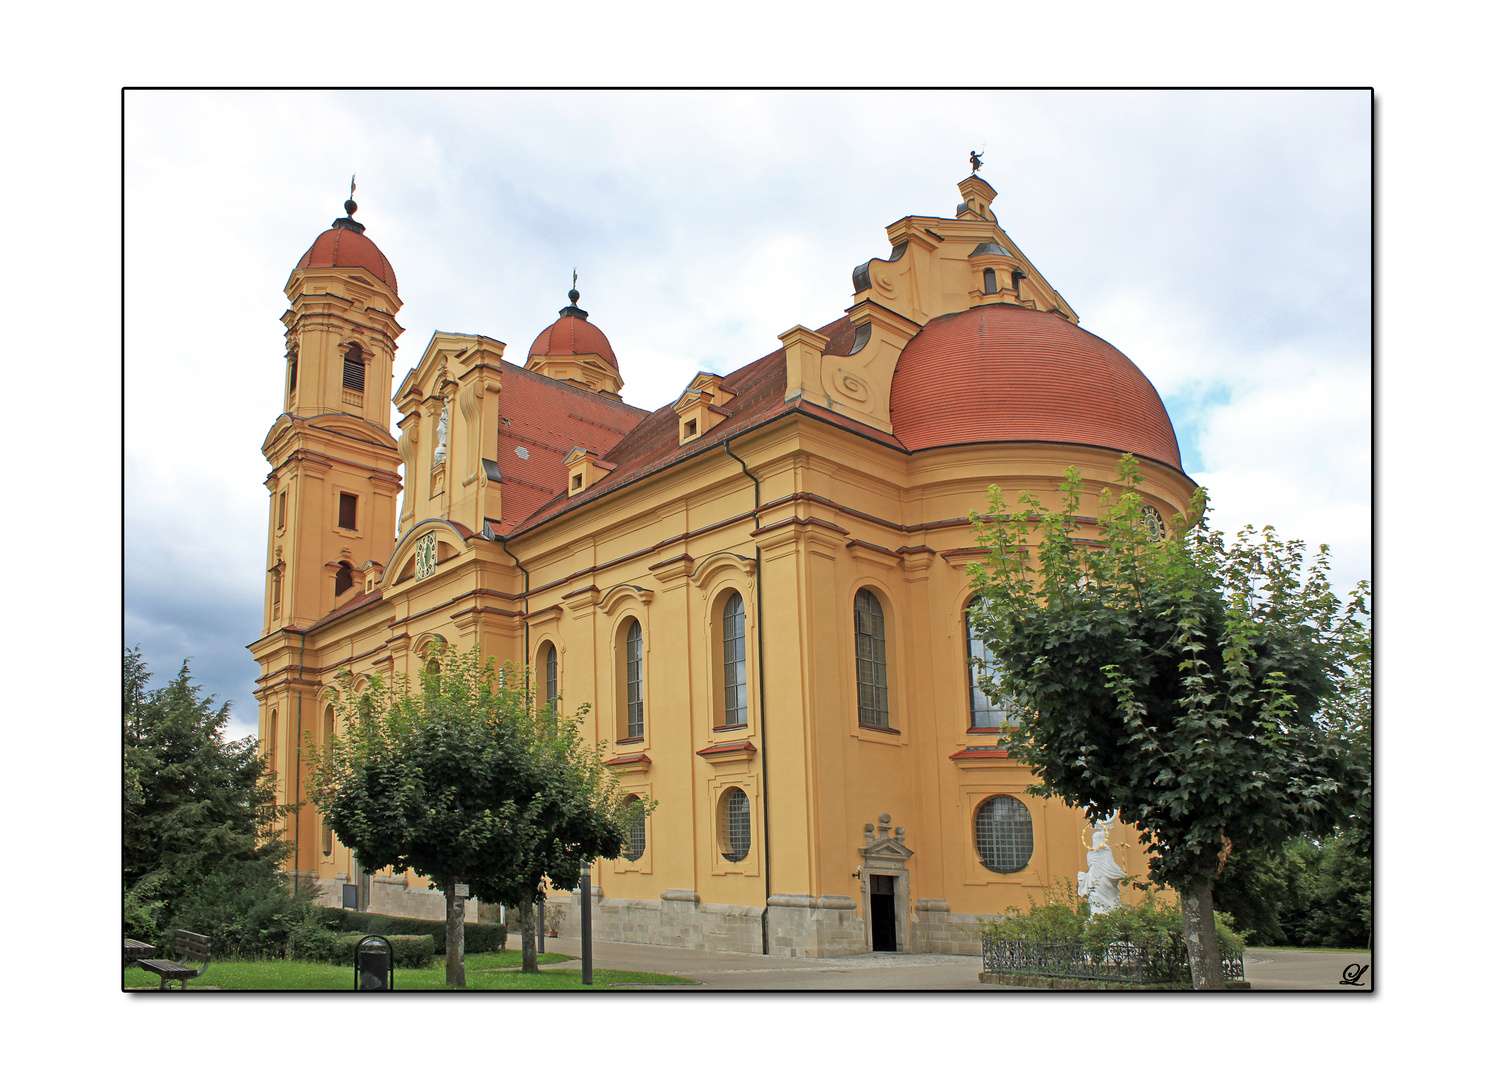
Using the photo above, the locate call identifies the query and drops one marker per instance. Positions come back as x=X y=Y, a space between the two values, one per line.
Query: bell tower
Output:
x=334 y=479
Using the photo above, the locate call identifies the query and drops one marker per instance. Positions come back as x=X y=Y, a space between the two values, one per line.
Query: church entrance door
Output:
x=880 y=897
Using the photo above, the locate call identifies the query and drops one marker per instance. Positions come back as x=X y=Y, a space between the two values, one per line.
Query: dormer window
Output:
x=576 y=481
x=690 y=432
x=989 y=281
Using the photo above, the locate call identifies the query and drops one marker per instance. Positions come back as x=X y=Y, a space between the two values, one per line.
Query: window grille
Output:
x=734 y=663
x=985 y=712
x=552 y=694
x=634 y=849
x=872 y=666
x=1004 y=834
x=634 y=679
x=353 y=369
x=737 y=834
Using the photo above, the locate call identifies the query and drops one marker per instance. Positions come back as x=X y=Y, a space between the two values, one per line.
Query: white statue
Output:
x=440 y=454
x=1101 y=881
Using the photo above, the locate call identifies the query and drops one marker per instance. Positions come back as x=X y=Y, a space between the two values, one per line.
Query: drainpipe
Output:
x=503 y=543
x=763 y=723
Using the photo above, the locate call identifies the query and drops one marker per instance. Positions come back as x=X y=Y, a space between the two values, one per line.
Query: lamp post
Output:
x=586 y=924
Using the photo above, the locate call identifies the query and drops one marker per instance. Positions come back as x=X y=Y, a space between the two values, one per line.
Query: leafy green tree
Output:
x=1196 y=686
x=199 y=812
x=466 y=781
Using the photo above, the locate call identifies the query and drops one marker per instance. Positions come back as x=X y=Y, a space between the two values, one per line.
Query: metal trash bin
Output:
x=373 y=965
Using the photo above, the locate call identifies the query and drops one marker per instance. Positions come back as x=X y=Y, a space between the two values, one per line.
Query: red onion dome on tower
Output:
x=1003 y=373
x=573 y=335
x=345 y=245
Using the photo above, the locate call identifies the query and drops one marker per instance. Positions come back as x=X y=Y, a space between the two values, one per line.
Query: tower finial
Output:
x=976 y=162
x=350 y=206
x=573 y=296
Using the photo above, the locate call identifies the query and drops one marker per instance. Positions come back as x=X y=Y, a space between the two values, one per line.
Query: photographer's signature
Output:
x=1353 y=974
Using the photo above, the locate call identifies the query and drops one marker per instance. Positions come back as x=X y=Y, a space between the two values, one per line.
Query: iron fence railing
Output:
x=1121 y=961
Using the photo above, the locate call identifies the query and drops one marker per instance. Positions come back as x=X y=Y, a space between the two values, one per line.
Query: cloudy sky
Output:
x=1220 y=239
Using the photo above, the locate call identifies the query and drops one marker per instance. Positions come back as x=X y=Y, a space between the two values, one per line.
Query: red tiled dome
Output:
x=572 y=336
x=344 y=247
x=1001 y=373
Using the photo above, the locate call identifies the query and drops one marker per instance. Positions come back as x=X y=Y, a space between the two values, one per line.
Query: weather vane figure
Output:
x=976 y=162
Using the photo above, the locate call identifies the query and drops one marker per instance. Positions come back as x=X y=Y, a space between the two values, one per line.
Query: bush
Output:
x=246 y=910
x=1063 y=917
x=476 y=937
x=411 y=950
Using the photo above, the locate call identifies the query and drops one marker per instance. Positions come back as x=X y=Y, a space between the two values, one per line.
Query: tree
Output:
x=466 y=781
x=198 y=811
x=1199 y=688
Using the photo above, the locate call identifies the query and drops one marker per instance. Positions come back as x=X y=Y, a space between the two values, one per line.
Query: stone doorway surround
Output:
x=886 y=856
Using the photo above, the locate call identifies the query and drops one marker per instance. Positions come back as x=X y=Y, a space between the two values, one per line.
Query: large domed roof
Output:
x=573 y=335
x=1002 y=373
x=346 y=247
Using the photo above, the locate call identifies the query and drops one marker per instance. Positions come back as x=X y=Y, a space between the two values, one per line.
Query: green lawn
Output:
x=485 y=971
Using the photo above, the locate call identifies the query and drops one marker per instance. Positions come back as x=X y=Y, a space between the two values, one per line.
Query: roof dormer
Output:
x=583 y=469
x=700 y=407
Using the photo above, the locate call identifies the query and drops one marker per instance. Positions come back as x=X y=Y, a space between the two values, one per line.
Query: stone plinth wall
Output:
x=798 y=925
x=815 y=926
x=937 y=929
x=677 y=918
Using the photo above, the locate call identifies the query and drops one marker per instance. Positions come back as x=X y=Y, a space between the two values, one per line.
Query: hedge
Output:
x=476 y=937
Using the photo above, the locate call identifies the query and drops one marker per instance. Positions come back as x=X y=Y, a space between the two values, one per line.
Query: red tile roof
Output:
x=1001 y=373
x=344 y=247
x=540 y=421
x=654 y=444
x=571 y=336
x=361 y=600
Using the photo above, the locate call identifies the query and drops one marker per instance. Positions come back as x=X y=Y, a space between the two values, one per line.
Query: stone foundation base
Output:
x=797 y=925
x=937 y=929
x=389 y=895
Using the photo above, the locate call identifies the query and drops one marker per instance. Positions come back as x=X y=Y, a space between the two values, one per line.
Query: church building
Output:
x=760 y=587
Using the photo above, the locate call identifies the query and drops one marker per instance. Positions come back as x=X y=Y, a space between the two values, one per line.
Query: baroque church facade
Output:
x=760 y=588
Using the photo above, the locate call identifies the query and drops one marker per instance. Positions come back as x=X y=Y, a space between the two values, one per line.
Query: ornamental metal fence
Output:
x=1119 y=962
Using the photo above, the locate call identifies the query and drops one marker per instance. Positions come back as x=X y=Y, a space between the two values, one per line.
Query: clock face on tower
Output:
x=425 y=556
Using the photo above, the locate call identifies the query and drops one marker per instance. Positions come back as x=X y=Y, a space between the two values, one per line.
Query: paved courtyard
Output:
x=1266 y=970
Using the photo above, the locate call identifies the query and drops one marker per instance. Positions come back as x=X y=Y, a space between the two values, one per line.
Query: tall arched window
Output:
x=1004 y=834
x=734 y=663
x=548 y=666
x=989 y=281
x=633 y=680
x=872 y=661
x=329 y=729
x=734 y=828
x=634 y=849
x=985 y=712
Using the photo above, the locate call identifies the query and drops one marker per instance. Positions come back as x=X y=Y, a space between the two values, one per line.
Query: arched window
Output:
x=985 y=712
x=291 y=356
x=734 y=663
x=989 y=281
x=1004 y=834
x=272 y=738
x=872 y=661
x=734 y=829
x=548 y=666
x=633 y=680
x=344 y=581
x=353 y=368
x=634 y=849
x=329 y=729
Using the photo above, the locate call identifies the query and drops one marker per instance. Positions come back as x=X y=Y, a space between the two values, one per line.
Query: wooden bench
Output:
x=189 y=947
